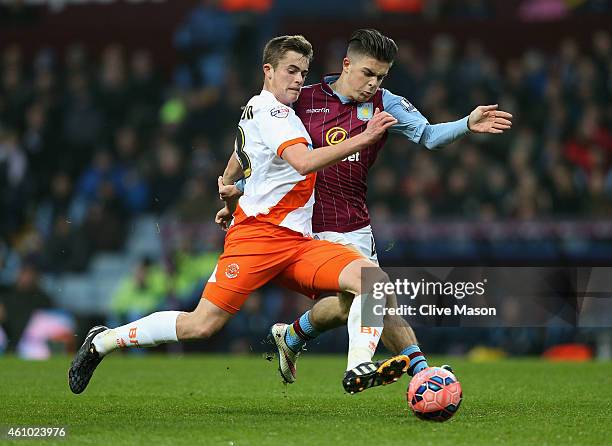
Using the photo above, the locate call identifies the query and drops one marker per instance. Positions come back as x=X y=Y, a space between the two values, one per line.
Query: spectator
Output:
x=66 y=249
x=19 y=302
x=83 y=122
x=168 y=181
x=205 y=39
x=113 y=87
x=140 y=293
x=14 y=191
x=56 y=204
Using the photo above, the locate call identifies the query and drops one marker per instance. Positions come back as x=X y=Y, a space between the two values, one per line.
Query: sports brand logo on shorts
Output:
x=279 y=112
x=365 y=111
x=335 y=135
x=232 y=270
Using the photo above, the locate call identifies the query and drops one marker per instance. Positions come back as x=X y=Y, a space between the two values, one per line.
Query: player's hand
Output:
x=378 y=125
x=488 y=119
x=224 y=218
x=227 y=193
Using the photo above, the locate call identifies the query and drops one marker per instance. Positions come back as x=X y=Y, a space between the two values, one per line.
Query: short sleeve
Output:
x=279 y=127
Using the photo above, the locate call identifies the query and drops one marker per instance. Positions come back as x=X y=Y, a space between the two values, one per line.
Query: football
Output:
x=434 y=394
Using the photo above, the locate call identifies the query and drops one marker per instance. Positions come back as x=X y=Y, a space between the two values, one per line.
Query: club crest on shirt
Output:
x=232 y=270
x=365 y=111
x=279 y=112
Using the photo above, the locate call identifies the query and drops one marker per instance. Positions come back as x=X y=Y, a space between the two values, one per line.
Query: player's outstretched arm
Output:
x=483 y=119
x=307 y=161
x=488 y=119
x=413 y=125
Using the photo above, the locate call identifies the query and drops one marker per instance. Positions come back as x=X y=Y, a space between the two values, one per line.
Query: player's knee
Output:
x=344 y=307
x=377 y=276
x=373 y=275
x=341 y=317
x=382 y=276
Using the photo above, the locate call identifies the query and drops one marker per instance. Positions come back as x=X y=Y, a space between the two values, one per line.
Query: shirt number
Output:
x=243 y=158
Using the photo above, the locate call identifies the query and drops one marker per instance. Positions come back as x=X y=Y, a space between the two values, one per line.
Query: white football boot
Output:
x=287 y=358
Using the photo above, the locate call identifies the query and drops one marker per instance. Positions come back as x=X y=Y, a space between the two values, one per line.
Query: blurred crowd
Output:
x=90 y=141
x=19 y=12
x=556 y=160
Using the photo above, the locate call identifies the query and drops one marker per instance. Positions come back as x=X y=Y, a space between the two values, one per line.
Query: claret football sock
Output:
x=300 y=332
x=157 y=328
x=417 y=359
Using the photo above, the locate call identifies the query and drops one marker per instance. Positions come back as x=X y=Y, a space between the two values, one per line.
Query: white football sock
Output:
x=154 y=329
x=362 y=340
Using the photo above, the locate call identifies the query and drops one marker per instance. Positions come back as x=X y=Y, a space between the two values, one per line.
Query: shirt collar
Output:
x=326 y=82
x=268 y=94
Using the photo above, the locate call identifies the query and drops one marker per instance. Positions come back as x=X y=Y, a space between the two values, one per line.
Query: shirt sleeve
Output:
x=412 y=124
x=439 y=135
x=280 y=128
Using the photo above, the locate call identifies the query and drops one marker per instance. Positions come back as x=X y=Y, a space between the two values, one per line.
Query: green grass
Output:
x=238 y=400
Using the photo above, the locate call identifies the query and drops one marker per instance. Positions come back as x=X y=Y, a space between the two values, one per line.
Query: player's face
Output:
x=286 y=80
x=363 y=75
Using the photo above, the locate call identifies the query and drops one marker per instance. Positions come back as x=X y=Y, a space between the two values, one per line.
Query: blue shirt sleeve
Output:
x=412 y=124
x=240 y=184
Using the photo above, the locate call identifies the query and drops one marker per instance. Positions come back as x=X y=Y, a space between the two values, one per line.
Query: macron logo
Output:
x=317 y=110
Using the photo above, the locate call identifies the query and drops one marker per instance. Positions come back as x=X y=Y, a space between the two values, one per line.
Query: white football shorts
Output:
x=361 y=239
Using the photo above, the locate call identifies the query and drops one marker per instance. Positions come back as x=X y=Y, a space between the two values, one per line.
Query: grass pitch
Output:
x=239 y=400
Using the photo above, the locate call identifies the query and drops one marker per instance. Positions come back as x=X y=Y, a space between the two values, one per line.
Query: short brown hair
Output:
x=276 y=48
x=370 y=42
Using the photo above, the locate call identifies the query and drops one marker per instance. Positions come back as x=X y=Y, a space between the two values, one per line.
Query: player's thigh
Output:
x=244 y=267
x=317 y=267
